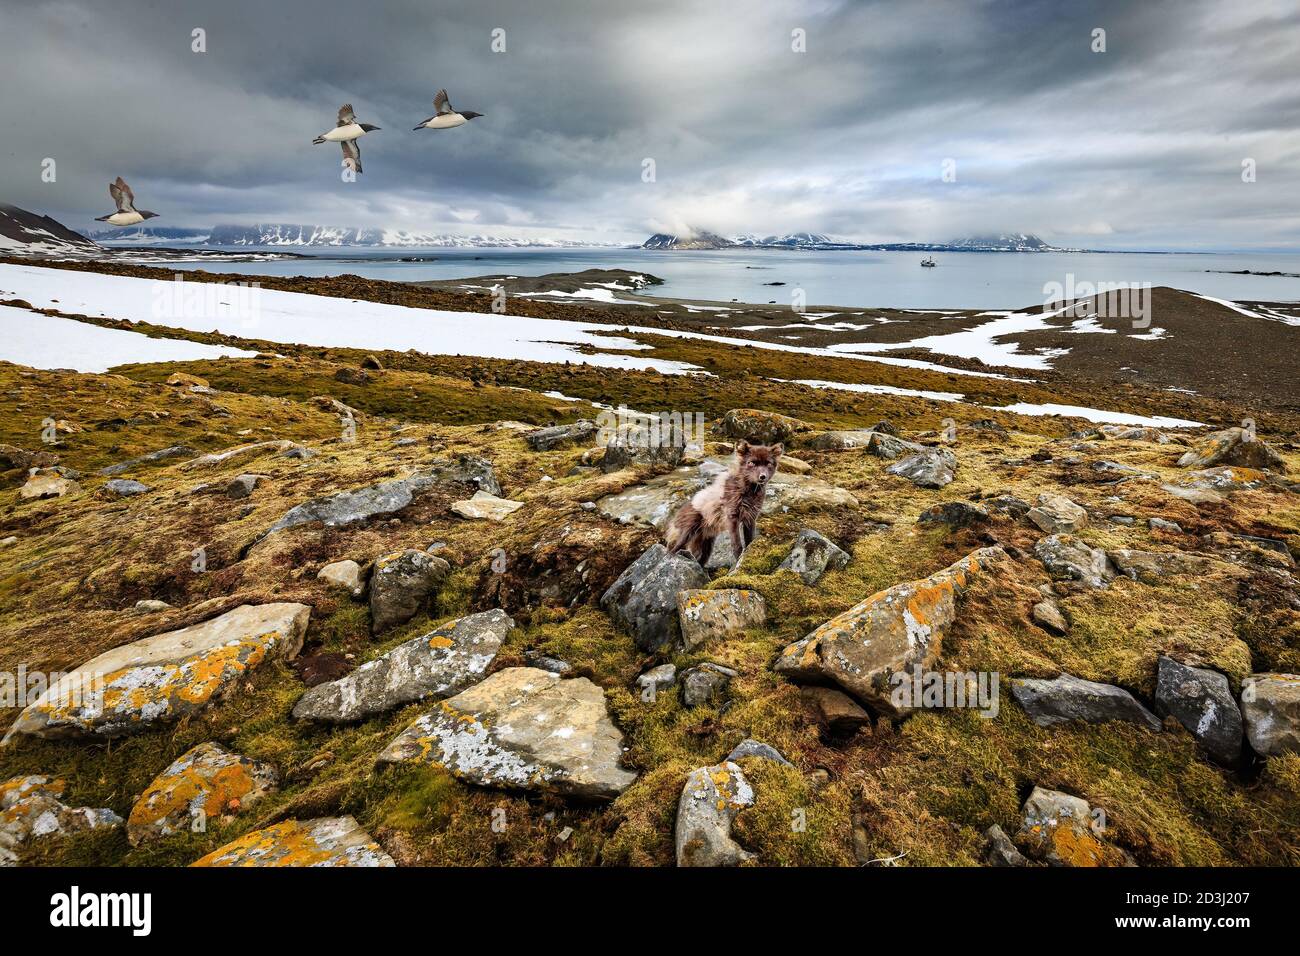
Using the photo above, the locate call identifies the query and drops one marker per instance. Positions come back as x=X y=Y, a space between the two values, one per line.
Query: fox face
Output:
x=757 y=463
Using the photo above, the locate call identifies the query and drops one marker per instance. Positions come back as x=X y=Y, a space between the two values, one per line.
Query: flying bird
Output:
x=346 y=133
x=127 y=214
x=445 y=117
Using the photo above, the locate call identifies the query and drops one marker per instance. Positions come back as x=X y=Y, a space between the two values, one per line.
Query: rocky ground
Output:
x=321 y=606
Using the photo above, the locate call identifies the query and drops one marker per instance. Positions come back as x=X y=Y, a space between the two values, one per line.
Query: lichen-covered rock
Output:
x=163 y=678
x=1224 y=478
x=204 y=783
x=344 y=574
x=1058 y=829
x=1232 y=446
x=522 y=729
x=1066 y=698
x=708 y=805
x=711 y=614
x=932 y=468
x=485 y=507
x=1150 y=566
x=1057 y=513
x=432 y=666
x=894 y=629
x=47 y=484
x=812 y=555
x=1270 y=704
x=30 y=809
x=544 y=439
x=1068 y=558
x=402 y=584
x=644 y=598
x=762 y=427
x=327 y=841
x=1203 y=703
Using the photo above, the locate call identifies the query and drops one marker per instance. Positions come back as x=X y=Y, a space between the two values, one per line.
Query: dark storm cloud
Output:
x=1140 y=146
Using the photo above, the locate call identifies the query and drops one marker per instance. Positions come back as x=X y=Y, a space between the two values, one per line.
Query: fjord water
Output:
x=968 y=280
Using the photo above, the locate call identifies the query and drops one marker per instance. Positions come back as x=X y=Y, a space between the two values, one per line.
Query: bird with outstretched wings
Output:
x=122 y=195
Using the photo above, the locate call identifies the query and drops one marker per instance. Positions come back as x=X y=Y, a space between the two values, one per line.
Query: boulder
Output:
x=432 y=666
x=544 y=439
x=241 y=486
x=327 y=841
x=708 y=614
x=956 y=514
x=1224 y=478
x=652 y=446
x=125 y=487
x=1133 y=433
x=889 y=446
x=999 y=850
x=30 y=809
x=812 y=555
x=1008 y=504
x=644 y=598
x=847 y=440
x=1270 y=704
x=932 y=468
x=161 y=679
x=1048 y=616
x=1203 y=703
x=11 y=456
x=764 y=428
x=47 y=484
x=1066 y=698
x=485 y=507
x=1056 y=514
x=709 y=803
x=749 y=747
x=704 y=685
x=344 y=574
x=1150 y=566
x=1068 y=558
x=204 y=783
x=402 y=584
x=1160 y=524
x=836 y=711
x=656 y=680
x=186 y=379
x=1232 y=446
x=522 y=729
x=863 y=648
x=1057 y=829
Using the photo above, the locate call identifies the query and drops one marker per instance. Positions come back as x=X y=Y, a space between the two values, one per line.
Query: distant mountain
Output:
x=334 y=236
x=23 y=231
x=151 y=235
x=1021 y=242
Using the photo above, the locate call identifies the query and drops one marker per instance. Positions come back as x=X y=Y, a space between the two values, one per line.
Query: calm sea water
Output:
x=881 y=279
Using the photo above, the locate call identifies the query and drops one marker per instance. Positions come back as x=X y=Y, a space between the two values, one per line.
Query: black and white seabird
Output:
x=446 y=117
x=127 y=214
x=346 y=133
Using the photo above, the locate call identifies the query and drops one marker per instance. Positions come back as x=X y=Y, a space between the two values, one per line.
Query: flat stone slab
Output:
x=1066 y=698
x=432 y=666
x=327 y=841
x=522 y=729
x=485 y=507
x=204 y=783
x=889 y=632
x=163 y=678
x=653 y=502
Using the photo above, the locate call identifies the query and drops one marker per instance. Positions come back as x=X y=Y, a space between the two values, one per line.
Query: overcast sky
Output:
x=1137 y=147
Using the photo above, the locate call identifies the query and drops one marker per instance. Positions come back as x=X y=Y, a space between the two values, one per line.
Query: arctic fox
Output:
x=731 y=503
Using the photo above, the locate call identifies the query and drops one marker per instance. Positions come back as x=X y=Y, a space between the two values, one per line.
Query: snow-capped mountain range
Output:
x=280 y=234
x=1019 y=242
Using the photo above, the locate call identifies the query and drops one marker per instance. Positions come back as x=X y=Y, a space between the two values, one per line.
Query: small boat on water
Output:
x=928 y=263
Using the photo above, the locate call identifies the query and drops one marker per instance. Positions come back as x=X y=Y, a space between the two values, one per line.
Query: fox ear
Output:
x=778 y=450
x=742 y=448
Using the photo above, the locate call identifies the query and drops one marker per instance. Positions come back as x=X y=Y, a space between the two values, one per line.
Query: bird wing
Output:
x=441 y=105
x=346 y=116
x=122 y=195
x=352 y=155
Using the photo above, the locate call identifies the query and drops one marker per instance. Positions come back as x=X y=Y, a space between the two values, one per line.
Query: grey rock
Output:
x=1000 y=851
x=1048 y=616
x=547 y=663
x=430 y=667
x=345 y=574
x=957 y=514
x=1045 y=814
x=708 y=805
x=705 y=685
x=1008 y=504
x=125 y=487
x=1203 y=703
x=643 y=599
x=657 y=679
x=1232 y=446
x=932 y=468
x=884 y=445
x=749 y=747
x=812 y=555
x=544 y=439
x=241 y=486
x=1067 y=557
x=401 y=584
x=150 y=607
x=162 y=454
x=1270 y=704
x=655 y=446
x=1056 y=514
x=1150 y=566
x=1067 y=698
x=841 y=440
x=1160 y=524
